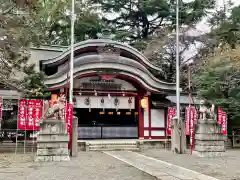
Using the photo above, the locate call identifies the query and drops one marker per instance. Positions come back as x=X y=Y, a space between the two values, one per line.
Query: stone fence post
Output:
x=178 y=137
x=74 y=148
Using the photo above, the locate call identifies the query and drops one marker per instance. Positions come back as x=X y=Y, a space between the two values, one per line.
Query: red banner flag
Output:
x=191 y=119
x=192 y=125
x=187 y=129
x=195 y=116
x=1 y=107
x=22 y=114
x=224 y=122
x=171 y=114
x=219 y=115
x=64 y=110
x=38 y=114
x=69 y=117
x=30 y=114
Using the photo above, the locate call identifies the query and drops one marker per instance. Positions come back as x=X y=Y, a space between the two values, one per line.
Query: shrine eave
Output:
x=124 y=72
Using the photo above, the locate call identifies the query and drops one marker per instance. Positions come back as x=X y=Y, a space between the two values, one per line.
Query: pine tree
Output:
x=16 y=37
x=53 y=20
x=139 y=19
x=226 y=29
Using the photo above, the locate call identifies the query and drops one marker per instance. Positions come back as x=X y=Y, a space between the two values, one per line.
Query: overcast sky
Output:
x=203 y=27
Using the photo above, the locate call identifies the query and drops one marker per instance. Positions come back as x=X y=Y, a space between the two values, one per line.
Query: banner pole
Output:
x=16 y=141
x=25 y=128
x=25 y=133
x=71 y=63
x=33 y=138
x=1 y=109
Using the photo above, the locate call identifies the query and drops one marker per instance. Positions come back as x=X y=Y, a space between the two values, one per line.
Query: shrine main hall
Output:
x=117 y=92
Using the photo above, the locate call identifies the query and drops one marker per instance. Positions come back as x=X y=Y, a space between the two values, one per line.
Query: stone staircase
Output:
x=112 y=146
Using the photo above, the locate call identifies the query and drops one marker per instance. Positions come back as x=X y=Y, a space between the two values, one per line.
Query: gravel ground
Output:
x=87 y=166
x=223 y=168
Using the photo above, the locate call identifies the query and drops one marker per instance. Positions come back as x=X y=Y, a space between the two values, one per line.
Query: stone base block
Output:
x=208 y=154
x=53 y=145
x=207 y=121
x=208 y=148
x=210 y=137
x=208 y=129
x=53 y=137
x=52 y=158
x=209 y=143
x=52 y=152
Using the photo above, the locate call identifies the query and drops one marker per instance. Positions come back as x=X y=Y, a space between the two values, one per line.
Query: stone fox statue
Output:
x=206 y=110
x=57 y=111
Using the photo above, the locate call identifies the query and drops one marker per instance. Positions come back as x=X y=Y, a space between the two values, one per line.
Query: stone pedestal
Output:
x=52 y=142
x=209 y=141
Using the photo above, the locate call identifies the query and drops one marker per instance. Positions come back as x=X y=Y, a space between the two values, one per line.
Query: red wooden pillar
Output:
x=149 y=117
x=140 y=119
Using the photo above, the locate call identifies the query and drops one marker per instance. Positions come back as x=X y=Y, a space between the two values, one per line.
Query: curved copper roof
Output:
x=130 y=62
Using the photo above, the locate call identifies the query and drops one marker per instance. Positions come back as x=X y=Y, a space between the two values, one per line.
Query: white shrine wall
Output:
x=108 y=103
x=154 y=122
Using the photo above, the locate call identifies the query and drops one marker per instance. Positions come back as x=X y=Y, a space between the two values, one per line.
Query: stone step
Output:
x=112 y=145
x=114 y=149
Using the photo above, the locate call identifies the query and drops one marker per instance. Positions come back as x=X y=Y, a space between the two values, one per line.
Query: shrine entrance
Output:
x=113 y=87
x=107 y=124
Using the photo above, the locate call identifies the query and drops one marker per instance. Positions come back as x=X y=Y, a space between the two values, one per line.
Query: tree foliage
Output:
x=161 y=50
x=16 y=36
x=141 y=18
x=54 y=21
x=226 y=29
x=218 y=80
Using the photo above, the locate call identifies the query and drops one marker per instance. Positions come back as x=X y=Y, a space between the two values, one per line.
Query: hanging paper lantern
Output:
x=87 y=101
x=102 y=103
x=144 y=103
x=130 y=100
x=130 y=103
x=116 y=103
